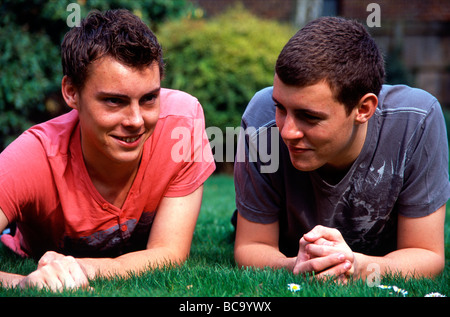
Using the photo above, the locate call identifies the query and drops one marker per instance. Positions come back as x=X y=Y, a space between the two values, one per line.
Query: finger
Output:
x=70 y=273
x=319 y=264
x=54 y=285
x=302 y=254
x=322 y=241
x=54 y=276
x=43 y=278
x=337 y=271
x=315 y=250
x=319 y=231
x=33 y=279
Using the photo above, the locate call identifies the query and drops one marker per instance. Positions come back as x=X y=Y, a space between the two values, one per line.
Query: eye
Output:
x=279 y=107
x=148 y=99
x=113 y=101
x=311 y=117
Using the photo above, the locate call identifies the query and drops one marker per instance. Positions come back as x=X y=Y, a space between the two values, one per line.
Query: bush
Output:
x=222 y=61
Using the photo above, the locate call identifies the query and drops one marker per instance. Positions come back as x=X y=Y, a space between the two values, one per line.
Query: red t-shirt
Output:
x=46 y=189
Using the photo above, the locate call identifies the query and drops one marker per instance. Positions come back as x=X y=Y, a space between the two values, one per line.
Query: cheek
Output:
x=151 y=119
x=279 y=120
x=333 y=141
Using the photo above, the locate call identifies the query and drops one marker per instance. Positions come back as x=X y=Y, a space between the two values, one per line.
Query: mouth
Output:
x=298 y=150
x=128 y=139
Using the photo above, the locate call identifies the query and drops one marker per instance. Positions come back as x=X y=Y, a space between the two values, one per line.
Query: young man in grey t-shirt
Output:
x=361 y=178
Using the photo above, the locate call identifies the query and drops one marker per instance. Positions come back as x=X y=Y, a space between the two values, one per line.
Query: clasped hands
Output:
x=324 y=252
x=56 y=272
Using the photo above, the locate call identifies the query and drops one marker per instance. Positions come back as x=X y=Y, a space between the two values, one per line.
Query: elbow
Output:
x=440 y=266
x=239 y=258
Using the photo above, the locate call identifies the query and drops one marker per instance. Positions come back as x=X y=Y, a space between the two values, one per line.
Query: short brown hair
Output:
x=116 y=33
x=336 y=50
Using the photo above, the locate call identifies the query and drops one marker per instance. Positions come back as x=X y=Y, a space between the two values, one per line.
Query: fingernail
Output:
x=341 y=257
x=347 y=265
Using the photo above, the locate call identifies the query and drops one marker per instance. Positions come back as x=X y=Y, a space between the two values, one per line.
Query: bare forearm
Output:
x=134 y=262
x=10 y=279
x=261 y=255
x=410 y=262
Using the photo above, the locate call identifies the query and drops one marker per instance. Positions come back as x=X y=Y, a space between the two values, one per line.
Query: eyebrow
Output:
x=122 y=96
x=309 y=111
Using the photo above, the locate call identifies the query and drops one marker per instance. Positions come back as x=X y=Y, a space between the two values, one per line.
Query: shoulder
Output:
x=404 y=99
x=260 y=110
x=51 y=137
x=408 y=113
x=178 y=103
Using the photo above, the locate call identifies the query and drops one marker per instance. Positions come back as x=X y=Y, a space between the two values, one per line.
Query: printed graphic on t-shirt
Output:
x=119 y=239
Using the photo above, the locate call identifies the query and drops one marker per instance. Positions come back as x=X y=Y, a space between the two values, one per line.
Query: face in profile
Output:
x=315 y=127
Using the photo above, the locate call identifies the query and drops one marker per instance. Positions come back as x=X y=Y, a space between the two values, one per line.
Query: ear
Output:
x=366 y=108
x=70 y=93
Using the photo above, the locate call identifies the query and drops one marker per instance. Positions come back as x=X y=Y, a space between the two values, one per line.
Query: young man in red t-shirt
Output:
x=101 y=191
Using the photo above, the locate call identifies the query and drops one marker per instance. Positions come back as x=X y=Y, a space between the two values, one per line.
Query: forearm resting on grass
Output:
x=257 y=245
x=10 y=279
x=410 y=262
x=134 y=263
x=420 y=253
x=420 y=249
x=169 y=241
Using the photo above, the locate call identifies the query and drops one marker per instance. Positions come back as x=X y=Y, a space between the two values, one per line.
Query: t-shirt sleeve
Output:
x=426 y=180
x=25 y=176
x=257 y=200
x=194 y=153
x=257 y=163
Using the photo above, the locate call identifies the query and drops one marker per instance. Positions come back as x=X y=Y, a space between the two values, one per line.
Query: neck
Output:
x=112 y=180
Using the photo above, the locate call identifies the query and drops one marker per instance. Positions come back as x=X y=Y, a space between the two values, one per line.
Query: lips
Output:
x=128 y=139
x=295 y=149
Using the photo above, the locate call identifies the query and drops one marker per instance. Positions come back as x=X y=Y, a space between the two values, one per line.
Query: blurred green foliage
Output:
x=222 y=61
x=30 y=66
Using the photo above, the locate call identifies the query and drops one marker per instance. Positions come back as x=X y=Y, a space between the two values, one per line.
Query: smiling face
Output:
x=315 y=127
x=118 y=109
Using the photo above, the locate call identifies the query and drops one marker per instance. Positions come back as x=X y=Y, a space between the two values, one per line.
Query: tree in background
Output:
x=30 y=66
x=222 y=61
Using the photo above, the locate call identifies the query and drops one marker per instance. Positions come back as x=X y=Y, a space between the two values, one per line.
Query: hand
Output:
x=324 y=251
x=56 y=272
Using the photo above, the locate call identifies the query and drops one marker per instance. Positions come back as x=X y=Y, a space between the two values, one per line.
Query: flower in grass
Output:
x=294 y=287
x=397 y=290
x=435 y=294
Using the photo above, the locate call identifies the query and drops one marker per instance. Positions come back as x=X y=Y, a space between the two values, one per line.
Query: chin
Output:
x=124 y=158
x=304 y=166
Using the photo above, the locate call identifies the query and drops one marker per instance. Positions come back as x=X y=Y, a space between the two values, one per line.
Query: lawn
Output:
x=211 y=272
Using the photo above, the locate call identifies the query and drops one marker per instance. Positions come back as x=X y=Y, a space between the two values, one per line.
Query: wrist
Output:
x=88 y=269
x=359 y=265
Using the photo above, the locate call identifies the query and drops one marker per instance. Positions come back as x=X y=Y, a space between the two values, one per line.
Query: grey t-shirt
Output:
x=402 y=169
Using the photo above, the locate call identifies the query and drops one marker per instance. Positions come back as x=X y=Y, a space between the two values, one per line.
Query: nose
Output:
x=290 y=129
x=133 y=116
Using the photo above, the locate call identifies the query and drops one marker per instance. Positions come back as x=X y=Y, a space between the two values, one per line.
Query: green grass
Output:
x=211 y=272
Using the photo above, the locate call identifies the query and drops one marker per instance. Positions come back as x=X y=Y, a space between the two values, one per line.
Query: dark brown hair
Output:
x=336 y=50
x=116 y=33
